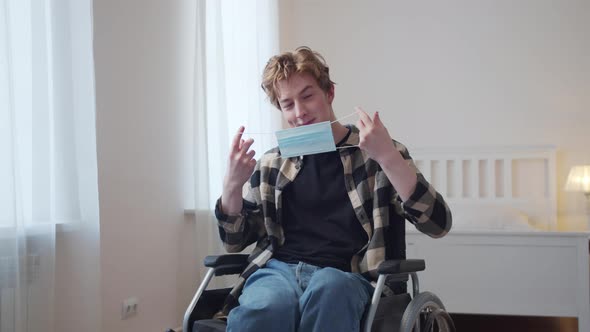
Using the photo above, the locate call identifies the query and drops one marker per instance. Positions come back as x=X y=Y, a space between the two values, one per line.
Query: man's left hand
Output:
x=374 y=137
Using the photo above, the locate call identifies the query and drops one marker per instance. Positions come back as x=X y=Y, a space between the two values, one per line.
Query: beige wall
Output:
x=144 y=59
x=461 y=72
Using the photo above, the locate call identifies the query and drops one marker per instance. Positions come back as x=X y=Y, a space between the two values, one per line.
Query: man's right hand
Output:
x=240 y=167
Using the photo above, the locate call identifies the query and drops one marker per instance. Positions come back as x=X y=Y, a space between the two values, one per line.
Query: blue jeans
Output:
x=300 y=297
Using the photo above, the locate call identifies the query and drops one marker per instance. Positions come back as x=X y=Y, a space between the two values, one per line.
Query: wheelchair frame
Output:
x=424 y=306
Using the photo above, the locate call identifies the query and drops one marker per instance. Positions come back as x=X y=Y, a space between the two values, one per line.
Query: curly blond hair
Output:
x=302 y=60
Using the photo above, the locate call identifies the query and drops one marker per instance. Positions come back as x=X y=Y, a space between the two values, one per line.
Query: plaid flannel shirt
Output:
x=377 y=206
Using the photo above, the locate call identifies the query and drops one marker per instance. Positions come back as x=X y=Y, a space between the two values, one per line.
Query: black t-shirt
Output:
x=319 y=222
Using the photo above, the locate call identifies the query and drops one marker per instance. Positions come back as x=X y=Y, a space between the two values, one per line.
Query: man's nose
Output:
x=300 y=110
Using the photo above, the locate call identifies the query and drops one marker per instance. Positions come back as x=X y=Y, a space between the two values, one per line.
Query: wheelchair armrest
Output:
x=397 y=266
x=215 y=261
x=227 y=264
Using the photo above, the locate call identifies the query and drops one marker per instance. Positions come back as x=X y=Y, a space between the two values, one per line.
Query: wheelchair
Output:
x=422 y=311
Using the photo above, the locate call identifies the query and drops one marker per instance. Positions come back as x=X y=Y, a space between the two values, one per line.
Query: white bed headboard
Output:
x=519 y=178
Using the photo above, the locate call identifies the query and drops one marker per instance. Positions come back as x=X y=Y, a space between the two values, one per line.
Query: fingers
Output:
x=245 y=145
x=250 y=154
x=236 y=142
x=363 y=116
x=241 y=162
x=242 y=155
x=252 y=163
x=360 y=123
x=366 y=121
x=377 y=120
x=247 y=159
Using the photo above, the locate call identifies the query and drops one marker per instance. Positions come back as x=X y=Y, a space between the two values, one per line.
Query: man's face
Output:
x=303 y=102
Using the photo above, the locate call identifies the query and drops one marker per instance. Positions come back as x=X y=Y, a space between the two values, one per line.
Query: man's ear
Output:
x=330 y=94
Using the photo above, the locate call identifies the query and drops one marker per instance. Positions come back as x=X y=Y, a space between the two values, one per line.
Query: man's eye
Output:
x=287 y=106
x=307 y=96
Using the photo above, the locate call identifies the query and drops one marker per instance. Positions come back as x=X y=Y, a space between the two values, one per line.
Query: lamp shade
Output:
x=579 y=179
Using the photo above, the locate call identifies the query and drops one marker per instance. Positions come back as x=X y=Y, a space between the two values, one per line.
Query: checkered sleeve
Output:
x=426 y=208
x=239 y=231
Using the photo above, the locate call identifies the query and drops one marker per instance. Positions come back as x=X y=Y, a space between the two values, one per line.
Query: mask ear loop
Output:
x=347 y=147
x=344 y=117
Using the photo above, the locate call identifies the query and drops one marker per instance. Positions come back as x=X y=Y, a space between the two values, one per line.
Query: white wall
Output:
x=460 y=72
x=144 y=59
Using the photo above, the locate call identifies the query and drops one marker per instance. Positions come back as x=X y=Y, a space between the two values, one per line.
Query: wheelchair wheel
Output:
x=440 y=319
x=426 y=310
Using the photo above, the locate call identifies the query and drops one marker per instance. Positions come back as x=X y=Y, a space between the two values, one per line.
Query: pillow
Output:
x=489 y=217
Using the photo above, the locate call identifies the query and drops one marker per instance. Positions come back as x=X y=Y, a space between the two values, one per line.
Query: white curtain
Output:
x=235 y=39
x=48 y=180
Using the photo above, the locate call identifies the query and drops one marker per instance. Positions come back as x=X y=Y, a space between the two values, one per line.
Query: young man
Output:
x=322 y=222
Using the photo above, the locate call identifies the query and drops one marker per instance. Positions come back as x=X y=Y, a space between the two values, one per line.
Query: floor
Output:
x=489 y=323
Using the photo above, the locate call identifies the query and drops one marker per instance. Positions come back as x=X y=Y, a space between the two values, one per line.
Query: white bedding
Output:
x=488 y=218
x=491 y=218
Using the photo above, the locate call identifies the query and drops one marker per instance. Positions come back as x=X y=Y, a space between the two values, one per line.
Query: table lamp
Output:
x=579 y=180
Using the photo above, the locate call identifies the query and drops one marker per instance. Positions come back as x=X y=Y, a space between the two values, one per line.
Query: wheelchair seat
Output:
x=423 y=311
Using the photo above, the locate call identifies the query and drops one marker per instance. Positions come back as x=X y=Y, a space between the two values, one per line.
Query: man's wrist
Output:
x=232 y=188
x=391 y=159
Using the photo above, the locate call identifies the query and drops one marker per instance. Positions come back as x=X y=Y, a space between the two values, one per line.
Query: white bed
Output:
x=504 y=254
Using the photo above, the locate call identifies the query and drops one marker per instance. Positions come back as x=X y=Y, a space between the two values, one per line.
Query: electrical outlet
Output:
x=129 y=307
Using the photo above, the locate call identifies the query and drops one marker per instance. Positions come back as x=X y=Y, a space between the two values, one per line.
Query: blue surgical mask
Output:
x=304 y=140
